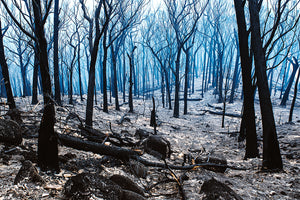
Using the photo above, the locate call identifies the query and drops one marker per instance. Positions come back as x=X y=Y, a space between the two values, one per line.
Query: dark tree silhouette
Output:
x=295 y=90
x=248 y=119
x=95 y=47
x=291 y=80
x=5 y=73
x=55 y=53
x=47 y=141
x=271 y=151
x=131 y=66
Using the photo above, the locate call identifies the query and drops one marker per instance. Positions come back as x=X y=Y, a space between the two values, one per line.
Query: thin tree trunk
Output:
x=131 y=65
x=105 y=103
x=248 y=101
x=287 y=90
x=55 y=53
x=295 y=93
x=5 y=73
x=91 y=83
x=187 y=60
x=177 y=84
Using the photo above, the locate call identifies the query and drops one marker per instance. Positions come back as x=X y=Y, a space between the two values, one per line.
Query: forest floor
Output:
x=199 y=133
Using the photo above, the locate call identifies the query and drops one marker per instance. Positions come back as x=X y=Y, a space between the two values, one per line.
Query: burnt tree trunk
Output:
x=36 y=66
x=57 y=95
x=295 y=92
x=47 y=140
x=291 y=80
x=131 y=66
x=5 y=73
x=177 y=83
x=186 y=76
x=248 y=101
x=271 y=152
x=91 y=83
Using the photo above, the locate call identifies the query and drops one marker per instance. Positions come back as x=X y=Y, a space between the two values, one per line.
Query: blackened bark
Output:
x=124 y=75
x=153 y=116
x=91 y=83
x=115 y=80
x=168 y=88
x=131 y=66
x=104 y=83
x=71 y=76
x=246 y=64
x=177 y=83
x=35 y=75
x=5 y=73
x=186 y=76
x=220 y=74
x=162 y=87
x=271 y=152
x=295 y=92
x=79 y=68
x=47 y=140
x=55 y=54
x=288 y=88
x=235 y=73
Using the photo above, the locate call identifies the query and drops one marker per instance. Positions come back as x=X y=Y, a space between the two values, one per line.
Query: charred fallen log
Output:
x=76 y=143
x=126 y=154
x=221 y=113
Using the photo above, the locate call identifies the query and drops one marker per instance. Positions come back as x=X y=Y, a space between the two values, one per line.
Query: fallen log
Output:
x=126 y=154
x=188 y=99
x=215 y=107
x=221 y=113
x=185 y=167
x=77 y=143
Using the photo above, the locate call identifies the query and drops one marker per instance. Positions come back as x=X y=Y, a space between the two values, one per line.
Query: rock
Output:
x=15 y=115
x=83 y=185
x=215 y=159
x=129 y=195
x=10 y=132
x=157 y=146
x=126 y=183
x=141 y=134
x=28 y=171
x=138 y=169
x=214 y=189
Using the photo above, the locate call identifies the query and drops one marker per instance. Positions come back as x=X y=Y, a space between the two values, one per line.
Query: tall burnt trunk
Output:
x=47 y=139
x=271 y=152
x=5 y=73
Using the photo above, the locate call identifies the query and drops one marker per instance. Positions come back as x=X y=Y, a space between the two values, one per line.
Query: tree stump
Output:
x=10 y=132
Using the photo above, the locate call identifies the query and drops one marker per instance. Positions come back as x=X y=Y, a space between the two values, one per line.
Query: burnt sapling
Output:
x=48 y=141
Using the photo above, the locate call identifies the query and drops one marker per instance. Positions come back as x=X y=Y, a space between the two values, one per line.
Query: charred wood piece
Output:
x=157 y=146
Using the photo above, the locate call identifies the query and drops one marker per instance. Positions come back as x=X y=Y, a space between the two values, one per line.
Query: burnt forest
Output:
x=149 y=99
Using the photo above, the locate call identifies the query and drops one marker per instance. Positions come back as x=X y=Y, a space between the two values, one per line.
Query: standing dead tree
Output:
x=47 y=140
x=5 y=73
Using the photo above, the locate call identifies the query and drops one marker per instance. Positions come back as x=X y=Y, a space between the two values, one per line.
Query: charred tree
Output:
x=36 y=67
x=248 y=120
x=57 y=96
x=131 y=66
x=271 y=152
x=153 y=116
x=5 y=73
x=291 y=80
x=91 y=83
x=295 y=91
x=47 y=146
